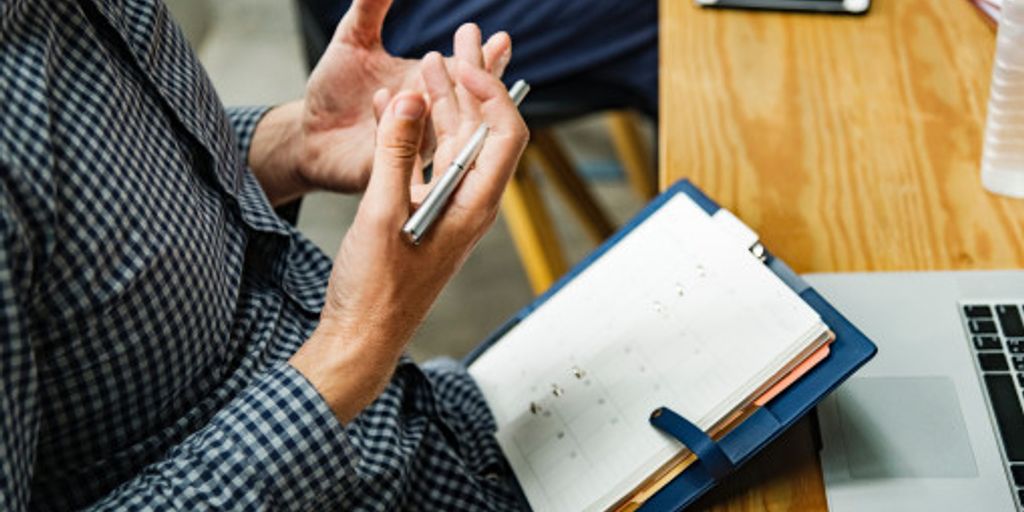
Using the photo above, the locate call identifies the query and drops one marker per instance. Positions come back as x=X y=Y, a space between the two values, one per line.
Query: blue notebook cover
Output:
x=850 y=350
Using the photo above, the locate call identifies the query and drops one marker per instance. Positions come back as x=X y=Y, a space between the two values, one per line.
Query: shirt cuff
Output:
x=244 y=121
x=288 y=441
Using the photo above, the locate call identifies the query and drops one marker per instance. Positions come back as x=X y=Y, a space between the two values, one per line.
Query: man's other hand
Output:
x=382 y=286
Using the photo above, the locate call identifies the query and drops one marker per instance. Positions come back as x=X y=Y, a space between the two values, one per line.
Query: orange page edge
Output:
x=799 y=371
x=638 y=498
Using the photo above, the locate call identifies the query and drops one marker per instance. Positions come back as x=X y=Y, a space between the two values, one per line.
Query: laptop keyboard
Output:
x=997 y=337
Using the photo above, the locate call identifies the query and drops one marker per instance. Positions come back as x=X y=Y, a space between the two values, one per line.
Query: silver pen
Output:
x=424 y=217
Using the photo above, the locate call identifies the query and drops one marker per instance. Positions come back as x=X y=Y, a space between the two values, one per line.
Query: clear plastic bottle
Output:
x=1002 y=164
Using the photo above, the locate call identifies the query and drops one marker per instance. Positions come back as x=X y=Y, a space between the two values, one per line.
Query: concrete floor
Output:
x=252 y=52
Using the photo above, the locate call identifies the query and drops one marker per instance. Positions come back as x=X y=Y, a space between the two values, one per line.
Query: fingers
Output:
x=417 y=193
x=398 y=141
x=444 y=104
x=363 y=22
x=497 y=53
x=468 y=52
x=467 y=44
x=381 y=98
x=505 y=142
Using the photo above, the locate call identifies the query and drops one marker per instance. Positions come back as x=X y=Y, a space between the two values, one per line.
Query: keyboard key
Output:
x=1010 y=321
x=1018 y=474
x=1020 y=379
x=978 y=311
x=1014 y=345
x=983 y=327
x=987 y=342
x=993 y=362
x=1009 y=416
x=1018 y=363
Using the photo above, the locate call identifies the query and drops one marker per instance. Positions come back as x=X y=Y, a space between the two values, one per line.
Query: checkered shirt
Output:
x=150 y=298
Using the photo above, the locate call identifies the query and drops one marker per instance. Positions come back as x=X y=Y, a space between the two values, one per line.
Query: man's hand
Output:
x=339 y=116
x=382 y=286
x=322 y=141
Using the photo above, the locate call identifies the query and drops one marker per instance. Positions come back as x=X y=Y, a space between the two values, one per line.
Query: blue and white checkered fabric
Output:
x=150 y=297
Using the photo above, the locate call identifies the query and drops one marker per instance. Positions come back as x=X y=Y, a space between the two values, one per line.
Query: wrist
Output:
x=276 y=154
x=346 y=367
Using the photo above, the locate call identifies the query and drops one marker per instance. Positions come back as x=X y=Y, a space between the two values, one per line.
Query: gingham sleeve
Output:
x=275 y=447
x=19 y=412
x=244 y=120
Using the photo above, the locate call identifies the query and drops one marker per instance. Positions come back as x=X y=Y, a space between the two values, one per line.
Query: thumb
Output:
x=363 y=22
x=398 y=143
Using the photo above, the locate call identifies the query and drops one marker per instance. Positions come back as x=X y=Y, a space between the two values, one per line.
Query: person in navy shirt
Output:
x=564 y=48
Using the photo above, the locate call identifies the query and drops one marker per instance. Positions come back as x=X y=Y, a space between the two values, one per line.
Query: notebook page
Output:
x=675 y=314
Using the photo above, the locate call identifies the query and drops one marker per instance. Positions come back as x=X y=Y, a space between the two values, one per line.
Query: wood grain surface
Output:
x=849 y=144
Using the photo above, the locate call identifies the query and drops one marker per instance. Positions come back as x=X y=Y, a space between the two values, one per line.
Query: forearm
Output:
x=274 y=154
x=275 y=446
x=348 y=367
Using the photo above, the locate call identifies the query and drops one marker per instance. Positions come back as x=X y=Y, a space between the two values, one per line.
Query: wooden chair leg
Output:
x=548 y=152
x=632 y=153
x=533 y=231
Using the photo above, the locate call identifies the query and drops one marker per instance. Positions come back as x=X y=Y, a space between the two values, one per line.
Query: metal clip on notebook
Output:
x=738 y=229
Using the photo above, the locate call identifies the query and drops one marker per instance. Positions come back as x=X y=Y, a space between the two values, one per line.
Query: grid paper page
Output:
x=675 y=314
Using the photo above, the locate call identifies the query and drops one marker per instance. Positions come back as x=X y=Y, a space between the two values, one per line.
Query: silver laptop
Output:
x=935 y=421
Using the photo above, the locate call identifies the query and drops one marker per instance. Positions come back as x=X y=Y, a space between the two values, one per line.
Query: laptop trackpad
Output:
x=904 y=427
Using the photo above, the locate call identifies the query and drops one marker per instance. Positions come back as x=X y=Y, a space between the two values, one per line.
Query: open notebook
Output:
x=679 y=313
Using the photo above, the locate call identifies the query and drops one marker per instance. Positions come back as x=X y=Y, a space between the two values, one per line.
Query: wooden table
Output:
x=849 y=144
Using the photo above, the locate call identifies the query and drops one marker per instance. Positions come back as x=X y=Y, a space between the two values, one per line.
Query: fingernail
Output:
x=409 y=108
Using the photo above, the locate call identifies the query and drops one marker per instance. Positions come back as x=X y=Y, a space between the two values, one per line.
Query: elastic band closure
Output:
x=707 y=451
